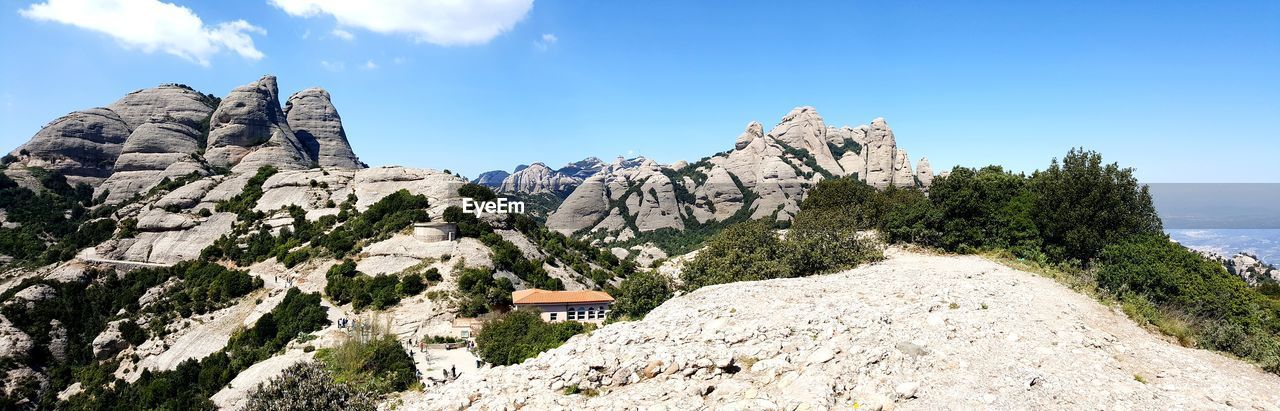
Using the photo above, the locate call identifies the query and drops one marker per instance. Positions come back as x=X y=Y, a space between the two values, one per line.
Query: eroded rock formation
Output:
x=765 y=175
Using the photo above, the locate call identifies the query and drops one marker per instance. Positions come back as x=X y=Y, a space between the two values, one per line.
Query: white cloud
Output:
x=152 y=25
x=343 y=34
x=370 y=65
x=545 y=42
x=399 y=60
x=442 y=22
x=333 y=66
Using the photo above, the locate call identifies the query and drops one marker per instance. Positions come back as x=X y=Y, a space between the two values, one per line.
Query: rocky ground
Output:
x=913 y=332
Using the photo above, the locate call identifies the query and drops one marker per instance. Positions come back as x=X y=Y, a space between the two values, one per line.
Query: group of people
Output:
x=421 y=344
x=288 y=281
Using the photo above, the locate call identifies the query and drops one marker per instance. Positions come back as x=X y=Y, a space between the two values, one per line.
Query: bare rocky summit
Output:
x=317 y=125
x=913 y=332
x=82 y=145
x=765 y=175
x=538 y=178
x=172 y=131
x=491 y=179
x=85 y=145
x=249 y=130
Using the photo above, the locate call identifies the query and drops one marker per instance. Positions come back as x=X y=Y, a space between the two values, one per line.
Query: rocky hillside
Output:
x=765 y=175
x=172 y=131
x=1253 y=270
x=271 y=200
x=977 y=335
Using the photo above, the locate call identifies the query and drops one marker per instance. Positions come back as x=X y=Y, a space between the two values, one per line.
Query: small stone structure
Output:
x=435 y=231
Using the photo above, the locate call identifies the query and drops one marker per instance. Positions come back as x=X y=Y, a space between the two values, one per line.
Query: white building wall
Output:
x=586 y=313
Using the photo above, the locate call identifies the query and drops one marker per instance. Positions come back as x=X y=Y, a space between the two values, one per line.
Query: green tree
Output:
x=520 y=335
x=477 y=192
x=983 y=209
x=1081 y=205
x=640 y=293
x=745 y=251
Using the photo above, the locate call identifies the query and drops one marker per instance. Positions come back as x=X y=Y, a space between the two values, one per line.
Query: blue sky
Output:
x=1183 y=91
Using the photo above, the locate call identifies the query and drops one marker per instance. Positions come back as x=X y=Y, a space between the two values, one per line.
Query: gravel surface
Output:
x=913 y=332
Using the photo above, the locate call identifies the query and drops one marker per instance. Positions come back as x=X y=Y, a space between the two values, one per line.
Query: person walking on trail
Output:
x=455 y=370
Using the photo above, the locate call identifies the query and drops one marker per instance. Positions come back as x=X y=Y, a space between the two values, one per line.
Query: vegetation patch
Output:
x=520 y=335
x=370 y=359
x=189 y=386
x=307 y=386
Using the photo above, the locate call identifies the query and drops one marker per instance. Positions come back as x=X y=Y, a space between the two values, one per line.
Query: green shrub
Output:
x=382 y=219
x=468 y=224
x=132 y=333
x=640 y=293
x=481 y=292
x=506 y=256
x=306 y=386
x=742 y=252
x=477 y=192
x=983 y=209
x=242 y=204
x=53 y=224
x=412 y=284
x=1225 y=313
x=372 y=361
x=813 y=247
x=1080 y=205
x=520 y=335
x=192 y=382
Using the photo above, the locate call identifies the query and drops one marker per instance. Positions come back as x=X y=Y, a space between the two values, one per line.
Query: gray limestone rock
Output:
x=587 y=205
x=754 y=130
x=880 y=154
x=249 y=130
x=902 y=174
x=804 y=129
x=924 y=173
x=153 y=152
x=82 y=145
x=318 y=127
x=14 y=344
x=538 y=178
x=491 y=179
x=169 y=103
x=110 y=341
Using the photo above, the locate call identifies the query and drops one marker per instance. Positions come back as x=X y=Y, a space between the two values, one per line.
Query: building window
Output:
x=553 y=316
x=571 y=315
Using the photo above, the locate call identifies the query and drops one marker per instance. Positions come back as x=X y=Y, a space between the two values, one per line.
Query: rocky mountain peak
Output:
x=924 y=173
x=538 y=178
x=165 y=103
x=491 y=179
x=764 y=176
x=172 y=130
x=754 y=130
x=318 y=127
x=249 y=130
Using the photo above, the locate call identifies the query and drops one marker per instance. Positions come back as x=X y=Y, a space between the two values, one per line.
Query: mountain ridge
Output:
x=171 y=131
